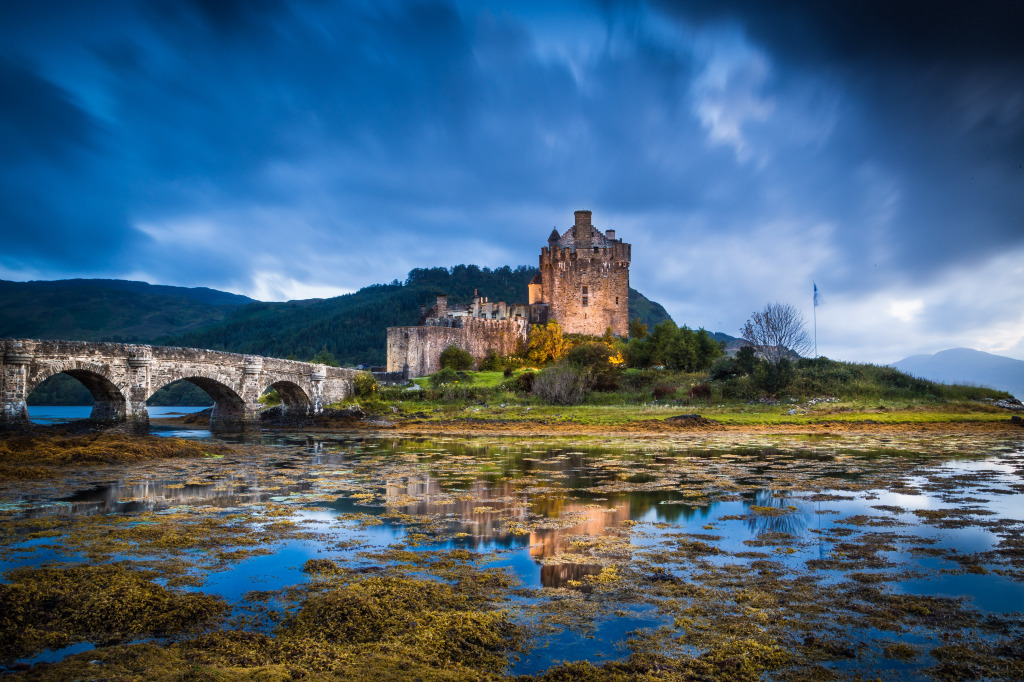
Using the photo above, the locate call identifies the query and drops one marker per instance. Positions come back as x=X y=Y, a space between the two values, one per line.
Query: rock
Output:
x=1015 y=419
x=1010 y=404
x=690 y=420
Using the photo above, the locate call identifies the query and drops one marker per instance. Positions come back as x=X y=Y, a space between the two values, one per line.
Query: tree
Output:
x=776 y=330
x=547 y=343
x=637 y=329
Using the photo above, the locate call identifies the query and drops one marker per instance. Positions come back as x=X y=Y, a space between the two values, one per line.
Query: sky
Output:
x=746 y=149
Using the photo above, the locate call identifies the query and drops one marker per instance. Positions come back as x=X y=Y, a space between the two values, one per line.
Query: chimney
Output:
x=610 y=234
x=442 y=305
x=581 y=230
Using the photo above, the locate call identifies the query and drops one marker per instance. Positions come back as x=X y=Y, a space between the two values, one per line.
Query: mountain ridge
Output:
x=967 y=365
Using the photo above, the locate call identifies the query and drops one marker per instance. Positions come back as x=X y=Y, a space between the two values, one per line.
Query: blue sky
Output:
x=745 y=148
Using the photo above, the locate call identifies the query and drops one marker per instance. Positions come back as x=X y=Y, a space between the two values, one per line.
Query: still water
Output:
x=603 y=534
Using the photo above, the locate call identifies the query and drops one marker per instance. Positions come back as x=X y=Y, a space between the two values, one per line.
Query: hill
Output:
x=108 y=309
x=353 y=327
x=968 y=366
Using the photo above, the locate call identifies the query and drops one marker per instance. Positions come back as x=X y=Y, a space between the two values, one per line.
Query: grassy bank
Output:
x=815 y=392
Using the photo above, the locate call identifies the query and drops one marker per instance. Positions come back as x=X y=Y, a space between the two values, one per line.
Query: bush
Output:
x=564 y=384
x=491 y=363
x=724 y=368
x=455 y=358
x=701 y=391
x=662 y=391
x=746 y=360
x=523 y=383
x=595 y=358
x=639 y=379
x=773 y=377
x=444 y=377
x=509 y=373
x=365 y=385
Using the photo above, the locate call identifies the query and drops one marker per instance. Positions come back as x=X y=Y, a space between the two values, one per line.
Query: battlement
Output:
x=584 y=276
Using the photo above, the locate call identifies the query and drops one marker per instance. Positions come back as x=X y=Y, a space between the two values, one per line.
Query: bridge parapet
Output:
x=121 y=377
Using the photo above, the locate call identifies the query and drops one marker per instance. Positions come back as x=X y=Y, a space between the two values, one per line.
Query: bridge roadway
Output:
x=122 y=376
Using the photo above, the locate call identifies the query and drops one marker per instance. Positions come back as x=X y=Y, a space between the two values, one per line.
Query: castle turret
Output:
x=584 y=277
x=581 y=231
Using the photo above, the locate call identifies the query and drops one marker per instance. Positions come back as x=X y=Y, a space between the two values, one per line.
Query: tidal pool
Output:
x=726 y=557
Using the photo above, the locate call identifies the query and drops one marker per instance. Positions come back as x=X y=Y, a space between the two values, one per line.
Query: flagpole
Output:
x=815 y=307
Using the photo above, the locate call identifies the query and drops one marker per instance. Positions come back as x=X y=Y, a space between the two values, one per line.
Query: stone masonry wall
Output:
x=605 y=274
x=420 y=347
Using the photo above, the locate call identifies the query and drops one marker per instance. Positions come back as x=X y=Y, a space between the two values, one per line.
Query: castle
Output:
x=583 y=284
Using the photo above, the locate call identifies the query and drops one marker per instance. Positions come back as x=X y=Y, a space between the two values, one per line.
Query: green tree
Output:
x=455 y=358
x=325 y=357
x=637 y=329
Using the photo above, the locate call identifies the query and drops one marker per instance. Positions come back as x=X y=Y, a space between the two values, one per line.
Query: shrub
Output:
x=443 y=377
x=595 y=358
x=639 y=379
x=564 y=384
x=365 y=385
x=746 y=360
x=701 y=391
x=455 y=358
x=773 y=377
x=662 y=391
x=491 y=363
x=724 y=368
x=509 y=373
x=521 y=383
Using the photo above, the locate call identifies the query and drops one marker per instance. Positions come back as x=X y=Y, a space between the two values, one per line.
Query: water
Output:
x=58 y=414
x=560 y=515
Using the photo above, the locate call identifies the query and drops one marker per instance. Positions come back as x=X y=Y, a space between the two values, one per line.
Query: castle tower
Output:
x=584 y=277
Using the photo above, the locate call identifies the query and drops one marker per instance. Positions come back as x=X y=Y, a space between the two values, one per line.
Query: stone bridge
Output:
x=121 y=377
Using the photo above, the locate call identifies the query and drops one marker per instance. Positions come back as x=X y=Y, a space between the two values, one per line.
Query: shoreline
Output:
x=639 y=427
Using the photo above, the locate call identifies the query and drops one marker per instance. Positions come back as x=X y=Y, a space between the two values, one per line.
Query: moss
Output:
x=42 y=456
x=54 y=607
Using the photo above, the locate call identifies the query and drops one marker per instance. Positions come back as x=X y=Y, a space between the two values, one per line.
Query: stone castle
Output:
x=583 y=284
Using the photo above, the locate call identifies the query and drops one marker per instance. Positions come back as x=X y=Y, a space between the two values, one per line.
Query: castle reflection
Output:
x=485 y=511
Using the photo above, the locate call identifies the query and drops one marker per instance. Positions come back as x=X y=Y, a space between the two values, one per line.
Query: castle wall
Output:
x=598 y=275
x=420 y=347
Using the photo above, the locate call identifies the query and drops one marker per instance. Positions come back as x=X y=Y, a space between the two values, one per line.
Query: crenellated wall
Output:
x=420 y=348
x=585 y=279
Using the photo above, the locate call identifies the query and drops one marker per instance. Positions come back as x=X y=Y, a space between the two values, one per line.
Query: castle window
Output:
x=595 y=249
x=616 y=300
x=585 y=295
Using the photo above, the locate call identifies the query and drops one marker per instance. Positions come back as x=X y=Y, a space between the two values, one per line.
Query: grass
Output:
x=821 y=390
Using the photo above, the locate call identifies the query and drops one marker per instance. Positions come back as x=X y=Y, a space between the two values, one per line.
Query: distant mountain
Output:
x=968 y=366
x=108 y=309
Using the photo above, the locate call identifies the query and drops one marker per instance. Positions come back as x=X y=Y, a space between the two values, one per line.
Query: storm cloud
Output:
x=291 y=149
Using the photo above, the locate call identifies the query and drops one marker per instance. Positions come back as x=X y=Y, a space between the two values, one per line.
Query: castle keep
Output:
x=583 y=284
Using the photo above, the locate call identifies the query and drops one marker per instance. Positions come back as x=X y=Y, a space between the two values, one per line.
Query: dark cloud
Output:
x=338 y=144
x=915 y=31
x=39 y=119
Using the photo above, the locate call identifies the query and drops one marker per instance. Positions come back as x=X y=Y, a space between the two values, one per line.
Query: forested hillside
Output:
x=108 y=310
x=353 y=327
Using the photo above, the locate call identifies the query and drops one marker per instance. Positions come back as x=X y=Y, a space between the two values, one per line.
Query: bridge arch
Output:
x=110 y=401
x=294 y=398
x=229 y=407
